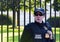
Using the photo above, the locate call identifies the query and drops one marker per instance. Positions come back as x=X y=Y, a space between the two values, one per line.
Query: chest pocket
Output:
x=38 y=33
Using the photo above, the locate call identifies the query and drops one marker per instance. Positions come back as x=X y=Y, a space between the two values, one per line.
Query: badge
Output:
x=38 y=36
x=46 y=35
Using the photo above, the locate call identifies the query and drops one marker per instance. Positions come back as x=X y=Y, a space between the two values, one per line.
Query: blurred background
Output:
x=15 y=14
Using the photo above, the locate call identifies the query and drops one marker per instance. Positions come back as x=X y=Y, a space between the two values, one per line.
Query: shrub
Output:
x=54 y=22
x=4 y=20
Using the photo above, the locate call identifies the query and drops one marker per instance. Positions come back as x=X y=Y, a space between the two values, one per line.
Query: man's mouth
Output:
x=37 y=19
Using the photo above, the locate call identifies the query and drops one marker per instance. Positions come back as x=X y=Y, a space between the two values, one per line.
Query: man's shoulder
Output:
x=30 y=24
x=47 y=24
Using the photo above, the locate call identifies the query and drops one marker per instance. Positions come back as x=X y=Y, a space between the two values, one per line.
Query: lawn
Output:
x=10 y=33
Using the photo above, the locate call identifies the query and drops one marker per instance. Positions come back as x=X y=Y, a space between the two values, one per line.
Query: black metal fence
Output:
x=21 y=12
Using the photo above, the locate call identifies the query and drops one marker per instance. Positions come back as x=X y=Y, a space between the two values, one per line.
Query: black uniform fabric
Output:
x=35 y=32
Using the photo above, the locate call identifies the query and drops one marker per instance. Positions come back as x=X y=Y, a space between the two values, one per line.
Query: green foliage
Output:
x=54 y=22
x=56 y=5
x=4 y=20
x=14 y=4
x=48 y=0
x=9 y=4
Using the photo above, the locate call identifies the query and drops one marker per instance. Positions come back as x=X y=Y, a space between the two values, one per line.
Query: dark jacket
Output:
x=35 y=32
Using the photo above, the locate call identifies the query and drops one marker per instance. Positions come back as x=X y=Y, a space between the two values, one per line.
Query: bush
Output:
x=54 y=22
x=4 y=20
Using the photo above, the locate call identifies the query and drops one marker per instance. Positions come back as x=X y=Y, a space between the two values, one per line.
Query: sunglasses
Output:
x=39 y=14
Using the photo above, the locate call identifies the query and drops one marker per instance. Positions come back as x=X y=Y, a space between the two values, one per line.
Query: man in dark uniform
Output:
x=38 y=31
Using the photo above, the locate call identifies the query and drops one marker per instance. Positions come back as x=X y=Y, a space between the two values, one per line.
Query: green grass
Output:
x=10 y=29
x=57 y=37
x=15 y=39
x=10 y=39
x=10 y=33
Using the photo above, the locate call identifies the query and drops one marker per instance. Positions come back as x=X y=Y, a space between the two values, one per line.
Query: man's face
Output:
x=38 y=17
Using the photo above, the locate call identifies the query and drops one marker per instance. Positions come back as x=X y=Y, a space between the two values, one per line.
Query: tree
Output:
x=56 y=5
x=15 y=3
x=8 y=4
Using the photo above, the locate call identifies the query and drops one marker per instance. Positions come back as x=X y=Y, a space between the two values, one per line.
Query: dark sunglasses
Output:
x=39 y=14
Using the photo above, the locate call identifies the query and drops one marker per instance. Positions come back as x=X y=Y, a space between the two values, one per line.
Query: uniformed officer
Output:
x=38 y=31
